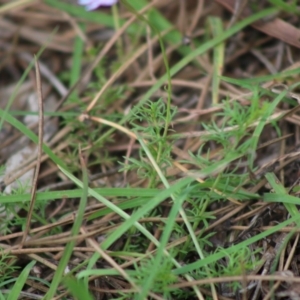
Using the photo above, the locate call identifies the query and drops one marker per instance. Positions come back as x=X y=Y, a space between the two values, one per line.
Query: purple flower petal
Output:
x=93 y=4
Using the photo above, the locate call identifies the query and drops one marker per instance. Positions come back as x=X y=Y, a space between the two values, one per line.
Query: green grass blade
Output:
x=76 y=62
x=69 y=248
x=18 y=286
x=281 y=198
x=261 y=125
x=101 y=272
x=287 y=7
x=76 y=193
x=133 y=219
x=2 y=296
x=251 y=82
x=148 y=282
x=77 y=288
x=280 y=190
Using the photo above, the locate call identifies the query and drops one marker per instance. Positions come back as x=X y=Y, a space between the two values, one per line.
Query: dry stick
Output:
x=127 y=156
x=276 y=285
x=108 y=258
x=40 y=151
x=235 y=278
x=157 y=62
x=43 y=261
x=45 y=228
x=265 y=228
x=195 y=19
x=16 y=4
x=61 y=240
x=47 y=249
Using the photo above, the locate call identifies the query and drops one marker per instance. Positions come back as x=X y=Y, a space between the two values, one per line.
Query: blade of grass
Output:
x=260 y=79
x=77 y=288
x=148 y=282
x=280 y=190
x=124 y=204
x=76 y=62
x=57 y=278
x=102 y=272
x=261 y=125
x=112 y=192
x=289 y=8
x=281 y=198
x=18 y=286
x=39 y=152
x=218 y=57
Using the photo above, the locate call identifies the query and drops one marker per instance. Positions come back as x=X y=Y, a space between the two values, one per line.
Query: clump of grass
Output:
x=148 y=122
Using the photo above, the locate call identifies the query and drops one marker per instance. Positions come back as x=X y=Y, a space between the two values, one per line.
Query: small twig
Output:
x=105 y=256
x=39 y=153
